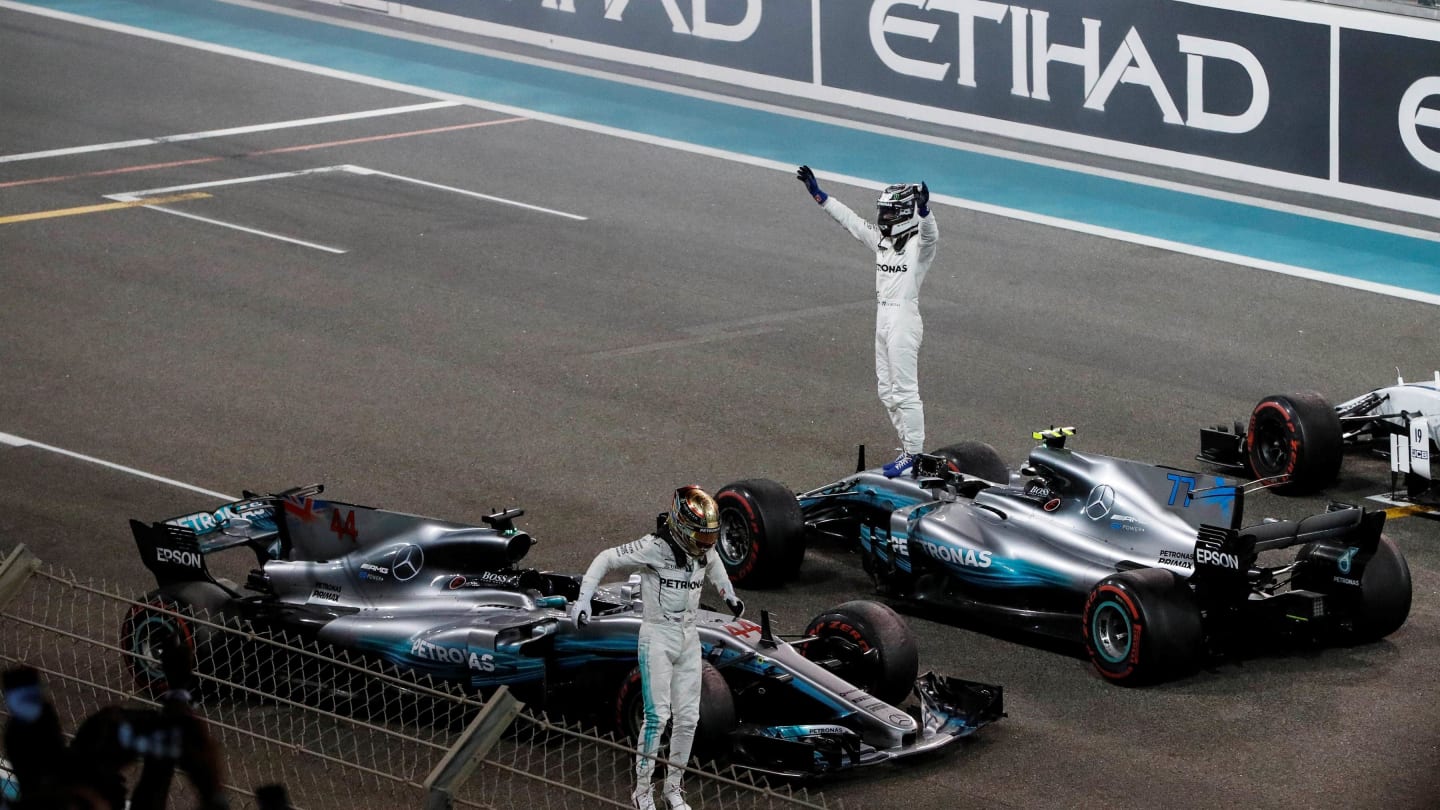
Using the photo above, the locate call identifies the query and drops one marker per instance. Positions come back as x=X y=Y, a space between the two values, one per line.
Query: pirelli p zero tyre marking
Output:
x=739 y=544
x=1112 y=632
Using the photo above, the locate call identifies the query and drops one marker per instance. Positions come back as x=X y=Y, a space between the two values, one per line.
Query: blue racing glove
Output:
x=804 y=175
x=924 y=207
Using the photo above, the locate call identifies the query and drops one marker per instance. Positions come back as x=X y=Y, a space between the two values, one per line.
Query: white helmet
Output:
x=897 y=209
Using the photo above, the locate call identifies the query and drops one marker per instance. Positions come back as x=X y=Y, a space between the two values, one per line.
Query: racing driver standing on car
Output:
x=673 y=563
x=901 y=262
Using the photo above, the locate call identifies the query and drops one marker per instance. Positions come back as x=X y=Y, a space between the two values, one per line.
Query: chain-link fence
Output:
x=336 y=731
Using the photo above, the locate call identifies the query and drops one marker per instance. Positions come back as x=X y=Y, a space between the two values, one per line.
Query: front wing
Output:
x=946 y=709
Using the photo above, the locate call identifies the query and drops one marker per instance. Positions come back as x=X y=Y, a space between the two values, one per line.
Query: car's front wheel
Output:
x=867 y=644
x=1297 y=436
x=762 y=533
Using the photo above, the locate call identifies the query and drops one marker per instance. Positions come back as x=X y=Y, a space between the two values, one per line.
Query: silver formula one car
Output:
x=450 y=601
x=1297 y=439
x=1152 y=568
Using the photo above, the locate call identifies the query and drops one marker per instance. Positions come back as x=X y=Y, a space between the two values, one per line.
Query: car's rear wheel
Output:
x=1381 y=603
x=978 y=459
x=762 y=533
x=1142 y=627
x=717 y=712
x=168 y=615
x=867 y=644
x=1297 y=436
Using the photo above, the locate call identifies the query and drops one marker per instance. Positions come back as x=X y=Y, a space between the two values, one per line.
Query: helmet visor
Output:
x=892 y=214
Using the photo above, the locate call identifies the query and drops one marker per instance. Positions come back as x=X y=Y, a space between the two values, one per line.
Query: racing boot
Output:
x=674 y=797
x=899 y=466
x=643 y=798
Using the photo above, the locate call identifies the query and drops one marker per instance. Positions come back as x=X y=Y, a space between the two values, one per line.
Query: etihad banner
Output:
x=1306 y=96
x=1209 y=82
x=770 y=37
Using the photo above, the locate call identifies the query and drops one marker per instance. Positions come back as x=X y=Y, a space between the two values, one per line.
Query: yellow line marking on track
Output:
x=1396 y=512
x=93 y=209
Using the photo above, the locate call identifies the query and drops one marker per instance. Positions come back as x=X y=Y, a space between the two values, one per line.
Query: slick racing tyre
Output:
x=978 y=459
x=148 y=626
x=1143 y=627
x=717 y=712
x=867 y=644
x=1296 y=435
x=1381 y=603
x=762 y=533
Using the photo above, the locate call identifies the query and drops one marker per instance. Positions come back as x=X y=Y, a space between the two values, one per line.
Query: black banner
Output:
x=1390 y=112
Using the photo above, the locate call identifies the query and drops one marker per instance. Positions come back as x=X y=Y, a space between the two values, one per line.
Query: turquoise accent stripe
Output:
x=1290 y=239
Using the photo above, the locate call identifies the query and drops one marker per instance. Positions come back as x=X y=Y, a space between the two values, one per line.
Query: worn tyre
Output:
x=1382 y=602
x=148 y=625
x=867 y=644
x=1296 y=435
x=717 y=712
x=1143 y=627
x=978 y=459
x=762 y=533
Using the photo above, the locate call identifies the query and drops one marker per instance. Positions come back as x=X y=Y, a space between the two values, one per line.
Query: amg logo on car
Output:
x=1219 y=559
x=172 y=556
x=452 y=655
x=958 y=556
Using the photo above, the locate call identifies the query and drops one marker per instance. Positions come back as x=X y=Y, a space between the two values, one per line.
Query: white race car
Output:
x=1296 y=440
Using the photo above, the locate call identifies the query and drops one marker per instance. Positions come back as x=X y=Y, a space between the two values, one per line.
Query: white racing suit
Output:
x=669 y=646
x=899 y=272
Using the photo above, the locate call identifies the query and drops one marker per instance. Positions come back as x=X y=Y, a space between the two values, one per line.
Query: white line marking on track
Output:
x=477 y=195
x=17 y=441
x=221 y=133
x=130 y=196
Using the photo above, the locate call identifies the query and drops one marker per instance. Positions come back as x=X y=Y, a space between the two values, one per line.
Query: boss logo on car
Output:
x=172 y=556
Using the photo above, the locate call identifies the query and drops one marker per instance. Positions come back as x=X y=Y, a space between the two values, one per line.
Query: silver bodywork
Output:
x=1044 y=539
x=448 y=600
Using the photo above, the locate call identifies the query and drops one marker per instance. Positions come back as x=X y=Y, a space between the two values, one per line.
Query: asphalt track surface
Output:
x=703 y=323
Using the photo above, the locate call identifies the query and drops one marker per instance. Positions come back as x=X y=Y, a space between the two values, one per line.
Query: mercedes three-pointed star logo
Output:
x=409 y=559
x=1101 y=499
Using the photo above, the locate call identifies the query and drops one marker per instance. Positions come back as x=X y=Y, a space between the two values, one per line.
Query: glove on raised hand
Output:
x=737 y=607
x=582 y=610
x=804 y=175
x=924 y=206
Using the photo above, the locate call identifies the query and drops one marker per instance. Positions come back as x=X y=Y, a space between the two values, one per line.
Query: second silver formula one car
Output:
x=451 y=601
x=1152 y=568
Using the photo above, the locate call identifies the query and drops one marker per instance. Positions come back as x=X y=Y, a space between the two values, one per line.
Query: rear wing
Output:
x=172 y=553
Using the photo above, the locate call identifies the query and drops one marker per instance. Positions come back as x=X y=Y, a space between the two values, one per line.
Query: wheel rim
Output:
x=1111 y=632
x=147 y=642
x=1271 y=447
x=735 y=538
